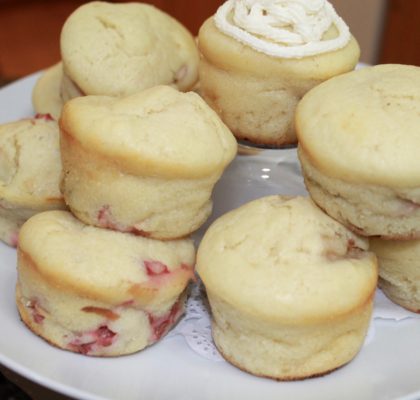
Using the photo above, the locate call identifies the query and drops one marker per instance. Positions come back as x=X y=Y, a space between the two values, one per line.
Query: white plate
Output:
x=388 y=367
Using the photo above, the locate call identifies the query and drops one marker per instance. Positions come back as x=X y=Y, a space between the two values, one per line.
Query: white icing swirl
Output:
x=283 y=28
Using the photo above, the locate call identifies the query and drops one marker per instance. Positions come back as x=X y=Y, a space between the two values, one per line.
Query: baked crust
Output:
x=256 y=95
x=367 y=209
x=362 y=127
x=291 y=290
x=135 y=46
x=142 y=164
x=229 y=54
x=30 y=169
x=95 y=291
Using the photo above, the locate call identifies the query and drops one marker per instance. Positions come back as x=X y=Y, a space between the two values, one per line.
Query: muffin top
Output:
x=157 y=132
x=283 y=28
x=104 y=265
x=118 y=49
x=283 y=259
x=30 y=162
x=363 y=126
x=228 y=53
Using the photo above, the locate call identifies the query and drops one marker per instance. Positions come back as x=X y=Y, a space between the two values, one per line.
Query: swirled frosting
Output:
x=283 y=28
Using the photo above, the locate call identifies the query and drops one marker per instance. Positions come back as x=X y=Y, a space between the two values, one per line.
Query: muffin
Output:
x=95 y=291
x=290 y=288
x=399 y=271
x=119 y=49
x=259 y=58
x=68 y=89
x=46 y=97
x=30 y=168
x=144 y=164
x=358 y=146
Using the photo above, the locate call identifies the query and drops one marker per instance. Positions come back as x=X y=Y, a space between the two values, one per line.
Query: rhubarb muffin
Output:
x=95 y=291
x=399 y=270
x=30 y=168
x=358 y=146
x=259 y=58
x=46 y=95
x=119 y=49
x=290 y=288
x=146 y=163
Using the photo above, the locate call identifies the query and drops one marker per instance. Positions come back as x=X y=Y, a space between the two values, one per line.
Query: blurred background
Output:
x=387 y=30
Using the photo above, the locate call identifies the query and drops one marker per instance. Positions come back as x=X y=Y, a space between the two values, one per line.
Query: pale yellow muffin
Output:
x=46 y=95
x=358 y=146
x=399 y=270
x=69 y=89
x=144 y=164
x=290 y=288
x=256 y=93
x=30 y=168
x=96 y=291
x=119 y=49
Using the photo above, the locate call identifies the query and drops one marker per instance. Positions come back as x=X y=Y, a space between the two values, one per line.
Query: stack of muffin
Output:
x=259 y=58
x=107 y=49
x=110 y=277
x=117 y=50
x=359 y=157
x=290 y=280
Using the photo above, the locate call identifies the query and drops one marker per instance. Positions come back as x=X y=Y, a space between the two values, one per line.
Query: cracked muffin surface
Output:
x=290 y=288
x=256 y=94
x=96 y=291
x=118 y=49
x=399 y=270
x=30 y=169
x=146 y=163
x=358 y=141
